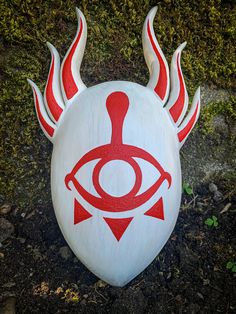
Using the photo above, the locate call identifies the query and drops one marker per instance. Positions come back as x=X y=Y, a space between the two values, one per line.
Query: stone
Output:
x=22 y=240
x=200 y=296
x=65 y=252
x=100 y=284
x=6 y=229
x=212 y=188
x=5 y=209
x=83 y=302
x=218 y=196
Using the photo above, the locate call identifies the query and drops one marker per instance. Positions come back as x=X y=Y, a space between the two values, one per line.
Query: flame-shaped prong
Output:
x=71 y=82
x=188 y=123
x=52 y=96
x=155 y=59
x=178 y=102
x=46 y=124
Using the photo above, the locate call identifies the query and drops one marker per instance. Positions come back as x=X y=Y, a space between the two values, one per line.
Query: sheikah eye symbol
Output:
x=117 y=105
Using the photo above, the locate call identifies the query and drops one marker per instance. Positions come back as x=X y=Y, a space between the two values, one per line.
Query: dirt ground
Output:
x=38 y=274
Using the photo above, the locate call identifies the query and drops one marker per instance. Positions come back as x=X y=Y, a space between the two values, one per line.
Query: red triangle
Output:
x=156 y=210
x=80 y=213
x=118 y=225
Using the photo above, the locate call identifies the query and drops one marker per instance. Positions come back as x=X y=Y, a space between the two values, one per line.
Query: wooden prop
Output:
x=115 y=171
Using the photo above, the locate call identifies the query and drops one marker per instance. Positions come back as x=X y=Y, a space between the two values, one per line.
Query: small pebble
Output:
x=100 y=284
x=206 y=282
x=1 y=255
x=5 y=209
x=65 y=252
x=200 y=295
x=22 y=240
x=218 y=196
x=83 y=302
x=212 y=188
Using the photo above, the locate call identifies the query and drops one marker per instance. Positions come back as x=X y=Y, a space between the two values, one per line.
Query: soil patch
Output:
x=189 y=275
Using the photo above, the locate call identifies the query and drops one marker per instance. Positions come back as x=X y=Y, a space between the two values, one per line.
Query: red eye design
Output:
x=117 y=104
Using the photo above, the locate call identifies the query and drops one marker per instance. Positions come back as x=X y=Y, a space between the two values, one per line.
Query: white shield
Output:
x=115 y=173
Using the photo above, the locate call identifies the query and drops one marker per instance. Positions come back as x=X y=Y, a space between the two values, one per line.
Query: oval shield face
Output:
x=116 y=178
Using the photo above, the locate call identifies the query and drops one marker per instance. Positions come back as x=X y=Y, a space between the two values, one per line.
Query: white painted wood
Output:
x=128 y=126
x=87 y=125
x=150 y=54
x=196 y=105
x=175 y=84
x=77 y=56
x=56 y=82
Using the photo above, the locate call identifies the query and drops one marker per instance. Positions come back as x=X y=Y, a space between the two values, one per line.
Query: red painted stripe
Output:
x=178 y=106
x=161 y=85
x=68 y=81
x=55 y=109
x=183 y=133
x=45 y=125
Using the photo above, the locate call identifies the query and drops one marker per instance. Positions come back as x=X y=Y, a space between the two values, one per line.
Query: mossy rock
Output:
x=114 y=51
x=215 y=109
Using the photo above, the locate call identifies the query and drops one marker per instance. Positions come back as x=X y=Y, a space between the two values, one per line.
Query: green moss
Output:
x=227 y=109
x=114 y=51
